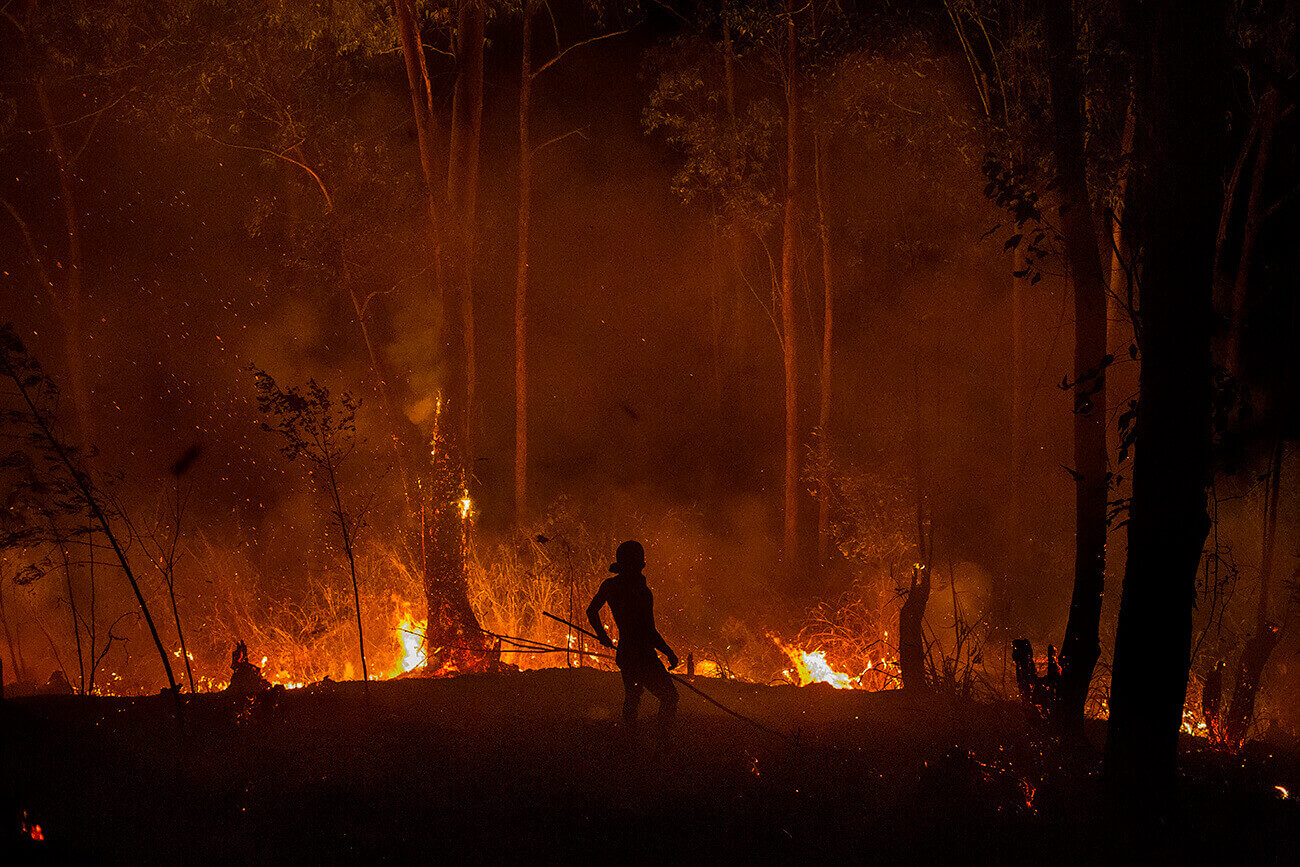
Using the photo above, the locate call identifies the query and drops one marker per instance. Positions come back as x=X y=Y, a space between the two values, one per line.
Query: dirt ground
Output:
x=533 y=767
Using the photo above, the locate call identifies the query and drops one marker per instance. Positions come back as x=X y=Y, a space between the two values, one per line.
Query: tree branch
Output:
x=33 y=251
x=329 y=202
x=560 y=138
x=556 y=59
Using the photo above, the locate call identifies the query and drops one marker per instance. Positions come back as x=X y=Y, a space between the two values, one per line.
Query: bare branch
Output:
x=560 y=138
x=556 y=59
x=329 y=202
x=32 y=251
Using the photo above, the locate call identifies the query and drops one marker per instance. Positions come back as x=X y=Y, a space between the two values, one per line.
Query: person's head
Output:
x=630 y=558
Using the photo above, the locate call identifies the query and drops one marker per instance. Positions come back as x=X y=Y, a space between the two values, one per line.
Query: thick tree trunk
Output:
x=1081 y=647
x=789 y=262
x=438 y=460
x=1178 y=87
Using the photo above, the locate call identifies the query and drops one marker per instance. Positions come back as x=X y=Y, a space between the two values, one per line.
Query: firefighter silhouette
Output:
x=632 y=604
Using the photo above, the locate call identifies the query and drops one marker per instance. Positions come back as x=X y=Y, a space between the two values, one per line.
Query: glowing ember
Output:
x=1283 y=791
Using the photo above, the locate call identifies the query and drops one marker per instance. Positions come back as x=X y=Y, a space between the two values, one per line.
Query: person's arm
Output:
x=660 y=644
x=593 y=616
x=667 y=651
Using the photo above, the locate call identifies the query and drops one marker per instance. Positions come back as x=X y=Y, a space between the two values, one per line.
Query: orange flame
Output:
x=810 y=666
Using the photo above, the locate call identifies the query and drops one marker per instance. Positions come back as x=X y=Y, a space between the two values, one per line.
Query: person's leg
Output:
x=661 y=686
x=631 y=698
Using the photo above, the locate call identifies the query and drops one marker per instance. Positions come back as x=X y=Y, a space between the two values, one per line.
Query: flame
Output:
x=818 y=670
x=810 y=666
x=409 y=637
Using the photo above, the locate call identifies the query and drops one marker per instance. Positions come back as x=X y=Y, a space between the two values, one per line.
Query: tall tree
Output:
x=1177 y=203
x=443 y=459
x=789 y=263
x=1081 y=647
x=462 y=205
x=527 y=76
x=523 y=233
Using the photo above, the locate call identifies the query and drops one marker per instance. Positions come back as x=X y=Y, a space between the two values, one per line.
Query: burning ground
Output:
x=531 y=766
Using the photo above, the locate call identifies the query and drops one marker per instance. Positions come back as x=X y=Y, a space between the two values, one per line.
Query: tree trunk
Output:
x=1119 y=300
x=1267 y=118
x=828 y=323
x=1178 y=83
x=20 y=671
x=462 y=199
x=728 y=63
x=1018 y=556
x=439 y=459
x=521 y=268
x=790 y=547
x=1081 y=647
x=1254 y=656
x=911 y=616
x=911 y=636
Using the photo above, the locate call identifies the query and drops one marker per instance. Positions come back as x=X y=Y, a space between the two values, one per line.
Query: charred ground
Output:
x=531 y=765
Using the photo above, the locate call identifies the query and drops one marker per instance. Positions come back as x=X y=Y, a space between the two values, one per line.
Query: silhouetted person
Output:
x=632 y=604
x=58 y=684
x=245 y=677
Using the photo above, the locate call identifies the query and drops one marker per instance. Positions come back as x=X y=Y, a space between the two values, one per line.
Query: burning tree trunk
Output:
x=1177 y=201
x=438 y=464
x=1081 y=647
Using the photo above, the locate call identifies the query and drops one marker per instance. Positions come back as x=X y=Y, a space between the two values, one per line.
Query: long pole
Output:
x=686 y=683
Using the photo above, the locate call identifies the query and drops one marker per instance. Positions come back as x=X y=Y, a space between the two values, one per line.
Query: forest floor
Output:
x=533 y=767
